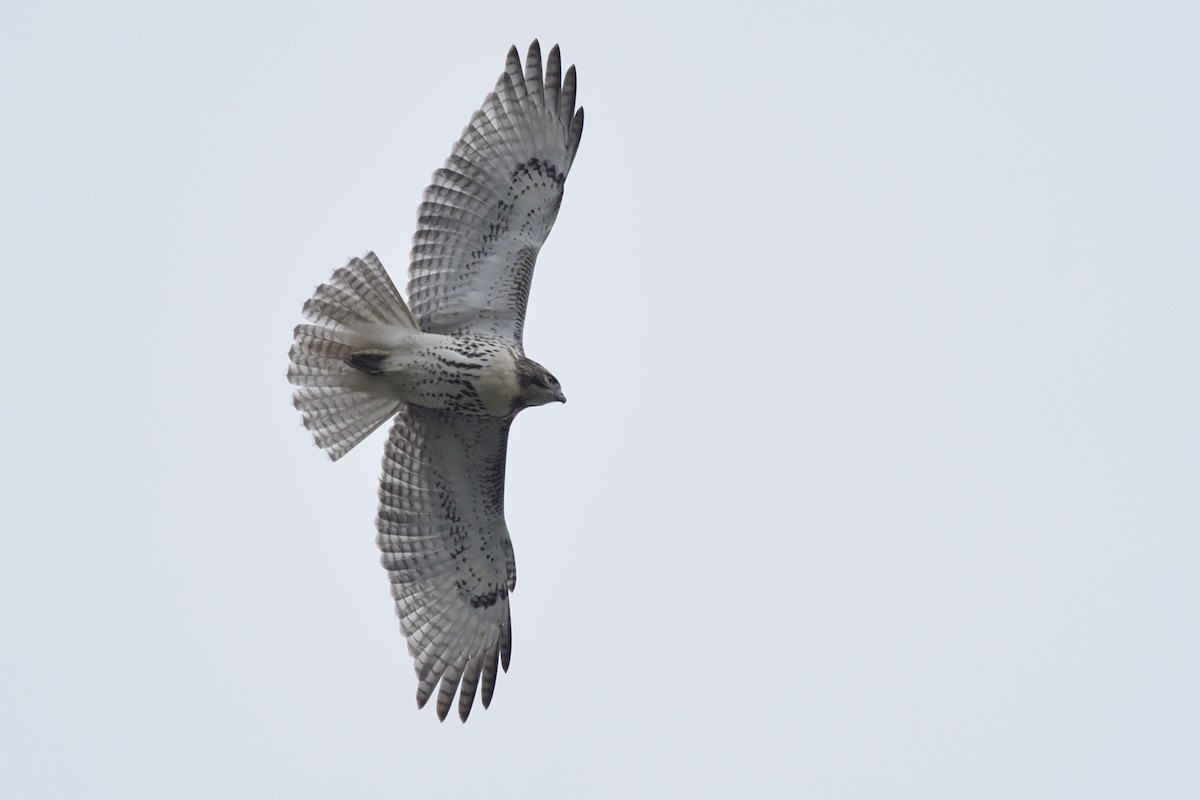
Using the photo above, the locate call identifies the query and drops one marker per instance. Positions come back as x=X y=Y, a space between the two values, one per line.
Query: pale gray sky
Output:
x=879 y=475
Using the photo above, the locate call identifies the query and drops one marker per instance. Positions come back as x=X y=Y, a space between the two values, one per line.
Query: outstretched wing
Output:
x=490 y=208
x=446 y=547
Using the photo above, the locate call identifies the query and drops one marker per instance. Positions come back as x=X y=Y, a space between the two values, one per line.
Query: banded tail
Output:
x=357 y=310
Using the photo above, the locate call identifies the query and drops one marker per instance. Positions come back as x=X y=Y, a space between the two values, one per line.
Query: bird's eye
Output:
x=551 y=380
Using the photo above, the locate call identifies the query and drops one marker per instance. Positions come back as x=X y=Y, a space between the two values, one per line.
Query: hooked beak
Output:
x=560 y=397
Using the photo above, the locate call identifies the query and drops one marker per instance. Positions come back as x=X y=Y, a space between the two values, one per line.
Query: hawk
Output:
x=450 y=371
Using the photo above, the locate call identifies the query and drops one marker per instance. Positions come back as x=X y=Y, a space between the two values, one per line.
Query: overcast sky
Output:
x=881 y=328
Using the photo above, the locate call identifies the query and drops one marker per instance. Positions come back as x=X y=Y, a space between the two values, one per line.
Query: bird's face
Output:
x=538 y=386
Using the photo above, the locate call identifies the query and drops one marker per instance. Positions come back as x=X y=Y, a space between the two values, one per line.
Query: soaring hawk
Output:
x=450 y=370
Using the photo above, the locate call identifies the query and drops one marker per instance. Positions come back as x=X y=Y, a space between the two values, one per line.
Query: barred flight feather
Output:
x=495 y=199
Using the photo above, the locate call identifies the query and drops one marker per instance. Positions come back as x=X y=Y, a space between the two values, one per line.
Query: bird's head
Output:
x=538 y=386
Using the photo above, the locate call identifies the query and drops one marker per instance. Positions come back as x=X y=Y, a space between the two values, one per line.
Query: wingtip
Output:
x=441 y=713
x=575 y=135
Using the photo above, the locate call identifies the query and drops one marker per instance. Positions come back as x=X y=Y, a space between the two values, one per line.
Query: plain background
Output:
x=879 y=472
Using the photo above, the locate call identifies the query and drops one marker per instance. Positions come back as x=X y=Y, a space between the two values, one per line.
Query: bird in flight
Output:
x=450 y=371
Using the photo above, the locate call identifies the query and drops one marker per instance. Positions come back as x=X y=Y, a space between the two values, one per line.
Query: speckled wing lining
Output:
x=490 y=208
x=447 y=550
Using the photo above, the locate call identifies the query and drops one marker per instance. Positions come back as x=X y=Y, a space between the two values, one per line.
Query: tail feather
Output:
x=374 y=287
x=339 y=419
x=356 y=309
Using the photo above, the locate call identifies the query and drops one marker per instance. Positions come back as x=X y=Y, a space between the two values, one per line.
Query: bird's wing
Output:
x=447 y=550
x=490 y=208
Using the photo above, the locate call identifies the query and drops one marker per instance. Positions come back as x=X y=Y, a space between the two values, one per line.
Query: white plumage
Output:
x=452 y=372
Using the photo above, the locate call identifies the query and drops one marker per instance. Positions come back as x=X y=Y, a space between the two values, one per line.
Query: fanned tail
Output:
x=357 y=309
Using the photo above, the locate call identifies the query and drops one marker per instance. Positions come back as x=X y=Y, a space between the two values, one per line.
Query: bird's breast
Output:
x=498 y=386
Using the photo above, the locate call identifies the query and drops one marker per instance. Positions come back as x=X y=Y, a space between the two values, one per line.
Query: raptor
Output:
x=449 y=370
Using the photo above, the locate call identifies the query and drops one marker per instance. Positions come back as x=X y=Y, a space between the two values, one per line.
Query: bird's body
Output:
x=450 y=370
x=472 y=375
